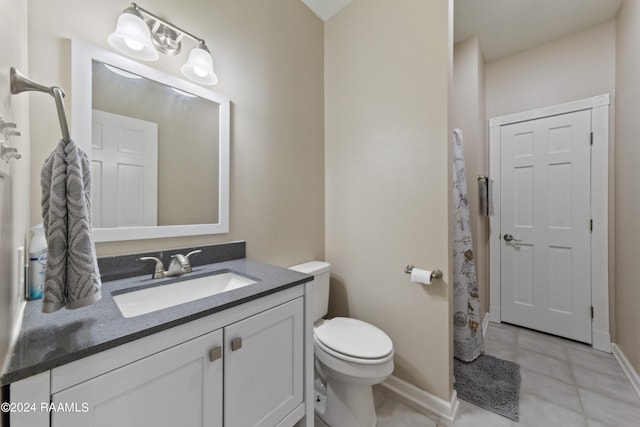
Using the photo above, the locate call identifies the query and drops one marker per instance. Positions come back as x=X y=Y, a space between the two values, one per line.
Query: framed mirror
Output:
x=159 y=148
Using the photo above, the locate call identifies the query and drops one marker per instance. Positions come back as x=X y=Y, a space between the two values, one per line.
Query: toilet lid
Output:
x=354 y=338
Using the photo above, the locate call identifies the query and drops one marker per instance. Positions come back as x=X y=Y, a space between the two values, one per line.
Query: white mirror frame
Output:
x=82 y=56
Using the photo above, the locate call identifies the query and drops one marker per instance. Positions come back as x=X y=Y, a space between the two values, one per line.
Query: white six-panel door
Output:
x=124 y=171
x=545 y=216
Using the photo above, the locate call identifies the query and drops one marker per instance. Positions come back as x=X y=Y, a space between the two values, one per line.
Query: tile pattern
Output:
x=564 y=384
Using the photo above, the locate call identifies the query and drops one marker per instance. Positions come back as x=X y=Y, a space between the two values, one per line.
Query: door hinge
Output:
x=591 y=138
x=592 y=312
x=590 y=225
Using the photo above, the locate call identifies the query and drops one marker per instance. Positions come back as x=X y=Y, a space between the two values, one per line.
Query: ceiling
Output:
x=505 y=27
x=325 y=9
x=508 y=26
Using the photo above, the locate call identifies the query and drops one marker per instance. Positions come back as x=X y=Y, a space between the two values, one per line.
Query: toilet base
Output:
x=319 y=397
x=346 y=404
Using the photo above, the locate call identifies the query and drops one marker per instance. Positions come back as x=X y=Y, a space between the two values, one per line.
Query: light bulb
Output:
x=133 y=44
x=132 y=36
x=200 y=72
x=199 y=66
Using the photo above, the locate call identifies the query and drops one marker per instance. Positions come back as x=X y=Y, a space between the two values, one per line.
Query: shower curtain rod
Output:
x=20 y=83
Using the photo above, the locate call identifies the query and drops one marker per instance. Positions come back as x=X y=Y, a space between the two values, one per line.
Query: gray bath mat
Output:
x=490 y=383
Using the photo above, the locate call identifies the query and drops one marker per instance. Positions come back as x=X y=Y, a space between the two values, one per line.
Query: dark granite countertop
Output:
x=50 y=340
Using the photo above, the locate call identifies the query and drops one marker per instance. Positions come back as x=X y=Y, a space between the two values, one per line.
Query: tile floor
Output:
x=564 y=384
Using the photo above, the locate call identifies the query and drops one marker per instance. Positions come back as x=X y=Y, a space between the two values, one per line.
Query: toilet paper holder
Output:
x=435 y=274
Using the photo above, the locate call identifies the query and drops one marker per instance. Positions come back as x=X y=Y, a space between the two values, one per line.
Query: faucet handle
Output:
x=180 y=263
x=159 y=272
x=197 y=251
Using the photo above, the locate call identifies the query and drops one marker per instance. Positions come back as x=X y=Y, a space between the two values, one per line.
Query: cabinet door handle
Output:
x=215 y=354
x=236 y=344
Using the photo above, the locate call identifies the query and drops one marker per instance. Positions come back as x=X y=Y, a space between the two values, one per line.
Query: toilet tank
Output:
x=320 y=271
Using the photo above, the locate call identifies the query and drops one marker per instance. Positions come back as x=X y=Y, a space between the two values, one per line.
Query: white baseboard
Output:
x=627 y=367
x=424 y=400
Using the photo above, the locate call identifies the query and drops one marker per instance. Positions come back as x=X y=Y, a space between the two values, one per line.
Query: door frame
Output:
x=599 y=106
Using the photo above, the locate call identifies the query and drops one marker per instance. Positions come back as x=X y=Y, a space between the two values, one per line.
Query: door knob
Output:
x=509 y=238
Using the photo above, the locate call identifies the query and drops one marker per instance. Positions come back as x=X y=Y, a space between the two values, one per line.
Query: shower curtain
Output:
x=467 y=325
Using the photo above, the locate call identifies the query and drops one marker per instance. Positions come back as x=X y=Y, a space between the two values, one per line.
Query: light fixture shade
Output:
x=199 y=66
x=132 y=36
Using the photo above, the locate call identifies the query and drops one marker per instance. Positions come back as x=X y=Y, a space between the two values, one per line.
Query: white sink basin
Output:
x=147 y=300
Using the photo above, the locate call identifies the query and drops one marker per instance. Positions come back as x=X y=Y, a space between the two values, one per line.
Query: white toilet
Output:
x=350 y=357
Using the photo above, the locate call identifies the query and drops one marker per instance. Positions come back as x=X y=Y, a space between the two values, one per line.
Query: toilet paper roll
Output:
x=421 y=276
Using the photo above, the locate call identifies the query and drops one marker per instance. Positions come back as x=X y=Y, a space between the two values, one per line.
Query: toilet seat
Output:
x=354 y=341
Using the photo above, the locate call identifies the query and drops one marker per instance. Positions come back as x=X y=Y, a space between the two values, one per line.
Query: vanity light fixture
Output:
x=141 y=35
x=132 y=35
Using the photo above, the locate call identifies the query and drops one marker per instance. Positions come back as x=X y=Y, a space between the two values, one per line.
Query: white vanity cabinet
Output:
x=245 y=366
x=263 y=369
x=179 y=386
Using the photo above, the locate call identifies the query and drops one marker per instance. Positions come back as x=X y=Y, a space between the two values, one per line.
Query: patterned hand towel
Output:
x=72 y=278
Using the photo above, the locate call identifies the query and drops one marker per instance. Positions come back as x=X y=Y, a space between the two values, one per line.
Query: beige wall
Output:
x=469 y=115
x=387 y=174
x=14 y=189
x=627 y=173
x=574 y=67
x=269 y=59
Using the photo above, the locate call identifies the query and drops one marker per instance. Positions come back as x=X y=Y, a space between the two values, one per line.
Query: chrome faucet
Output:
x=179 y=265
